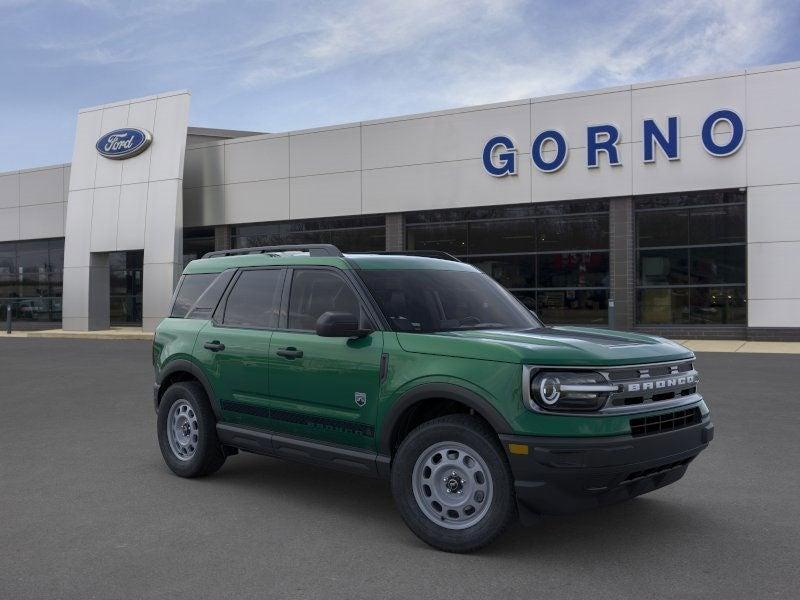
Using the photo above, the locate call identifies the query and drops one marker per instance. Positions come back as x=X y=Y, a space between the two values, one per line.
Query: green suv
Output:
x=421 y=369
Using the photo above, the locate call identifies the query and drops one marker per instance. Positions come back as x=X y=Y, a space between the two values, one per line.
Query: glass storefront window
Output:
x=126 y=287
x=31 y=279
x=554 y=257
x=197 y=242
x=349 y=234
x=692 y=258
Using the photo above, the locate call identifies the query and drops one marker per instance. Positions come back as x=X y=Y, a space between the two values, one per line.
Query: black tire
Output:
x=474 y=433
x=208 y=455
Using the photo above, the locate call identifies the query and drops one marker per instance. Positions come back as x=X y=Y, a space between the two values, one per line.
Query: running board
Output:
x=361 y=462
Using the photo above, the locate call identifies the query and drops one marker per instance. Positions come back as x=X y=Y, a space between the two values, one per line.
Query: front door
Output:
x=233 y=347
x=324 y=388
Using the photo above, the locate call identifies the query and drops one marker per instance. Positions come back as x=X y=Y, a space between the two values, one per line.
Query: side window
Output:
x=191 y=288
x=254 y=299
x=315 y=291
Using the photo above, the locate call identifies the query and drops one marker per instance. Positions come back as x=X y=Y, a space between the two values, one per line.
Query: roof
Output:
x=347 y=261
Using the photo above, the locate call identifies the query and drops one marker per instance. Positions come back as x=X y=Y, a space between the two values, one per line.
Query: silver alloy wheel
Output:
x=183 y=430
x=452 y=485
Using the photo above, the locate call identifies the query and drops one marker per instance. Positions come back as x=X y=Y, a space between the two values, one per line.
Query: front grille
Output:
x=665 y=422
x=662 y=370
x=652 y=383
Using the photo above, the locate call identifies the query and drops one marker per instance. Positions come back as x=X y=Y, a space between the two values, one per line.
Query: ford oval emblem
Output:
x=123 y=143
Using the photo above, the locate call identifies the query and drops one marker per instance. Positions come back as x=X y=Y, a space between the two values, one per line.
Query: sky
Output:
x=279 y=66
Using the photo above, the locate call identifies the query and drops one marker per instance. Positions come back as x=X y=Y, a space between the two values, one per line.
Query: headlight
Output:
x=570 y=390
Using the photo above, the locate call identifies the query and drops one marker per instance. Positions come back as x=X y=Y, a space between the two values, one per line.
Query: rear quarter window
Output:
x=191 y=287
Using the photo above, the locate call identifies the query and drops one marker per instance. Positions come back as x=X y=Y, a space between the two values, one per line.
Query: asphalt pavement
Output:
x=88 y=509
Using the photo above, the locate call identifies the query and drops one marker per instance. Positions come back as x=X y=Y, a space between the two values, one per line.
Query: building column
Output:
x=395 y=232
x=222 y=237
x=622 y=257
x=87 y=289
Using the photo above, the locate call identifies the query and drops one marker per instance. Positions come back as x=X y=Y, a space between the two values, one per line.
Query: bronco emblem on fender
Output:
x=361 y=399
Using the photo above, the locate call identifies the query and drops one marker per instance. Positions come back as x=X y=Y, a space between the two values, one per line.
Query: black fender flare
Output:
x=447 y=391
x=187 y=366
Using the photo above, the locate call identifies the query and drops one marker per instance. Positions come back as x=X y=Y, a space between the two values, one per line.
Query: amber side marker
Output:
x=518 y=448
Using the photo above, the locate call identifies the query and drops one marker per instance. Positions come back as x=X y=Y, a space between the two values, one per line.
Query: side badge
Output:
x=361 y=399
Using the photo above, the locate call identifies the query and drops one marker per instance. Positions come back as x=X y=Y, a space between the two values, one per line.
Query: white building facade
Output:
x=671 y=207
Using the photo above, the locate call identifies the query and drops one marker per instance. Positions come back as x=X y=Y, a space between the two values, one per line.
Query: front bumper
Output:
x=564 y=475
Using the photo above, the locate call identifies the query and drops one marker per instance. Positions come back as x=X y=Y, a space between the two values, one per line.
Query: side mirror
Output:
x=339 y=324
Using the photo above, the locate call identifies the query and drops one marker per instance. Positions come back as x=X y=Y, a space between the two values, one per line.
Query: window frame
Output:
x=637 y=287
x=217 y=319
x=374 y=316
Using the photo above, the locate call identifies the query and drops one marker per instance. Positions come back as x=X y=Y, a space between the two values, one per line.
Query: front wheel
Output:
x=187 y=431
x=452 y=484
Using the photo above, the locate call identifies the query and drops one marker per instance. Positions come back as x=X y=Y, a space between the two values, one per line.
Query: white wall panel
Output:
x=572 y=115
x=43 y=186
x=443 y=138
x=692 y=101
x=79 y=215
x=773 y=99
x=773 y=313
x=9 y=190
x=141 y=115
x=161 y=241
x=132 y=213
x=696 y=170
x=76 y=294
x=575 y=180
x=41 y=221
x=325 y=195
x=328 y=151
x=158 y=282
x=109 y=171
x=773 y=156
x=266 y=158
x=257 y=201
x=442 y=185
x=84 y=157
x=9 y=224
x=773 y=214
x=105 y=217
x=773 y=271
x=169 y=137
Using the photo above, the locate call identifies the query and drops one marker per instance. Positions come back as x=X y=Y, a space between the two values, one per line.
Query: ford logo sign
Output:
x=123 y=143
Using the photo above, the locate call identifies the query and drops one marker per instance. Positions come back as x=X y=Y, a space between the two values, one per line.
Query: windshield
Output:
x=427 y=301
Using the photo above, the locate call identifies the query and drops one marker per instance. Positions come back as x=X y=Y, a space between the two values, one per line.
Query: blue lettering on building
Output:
x=558 y=160
x=652 y=135
x=737 y=136
x=602 y=138
x=500 y=152
x=506 y=160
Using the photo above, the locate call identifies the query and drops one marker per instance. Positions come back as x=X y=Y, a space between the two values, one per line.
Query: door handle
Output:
x=290 y=352
x=214 y=346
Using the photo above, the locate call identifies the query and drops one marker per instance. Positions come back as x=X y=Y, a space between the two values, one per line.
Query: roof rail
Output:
x=424 y=253
x=312 y=249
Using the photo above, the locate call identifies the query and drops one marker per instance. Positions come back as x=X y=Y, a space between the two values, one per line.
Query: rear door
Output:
x=233 y=346
x=320 y=387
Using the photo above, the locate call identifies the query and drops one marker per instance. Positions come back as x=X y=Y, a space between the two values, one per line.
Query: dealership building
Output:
x=670 y=207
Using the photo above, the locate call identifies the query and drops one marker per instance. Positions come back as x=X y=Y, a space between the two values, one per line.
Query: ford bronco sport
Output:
x=424 y=371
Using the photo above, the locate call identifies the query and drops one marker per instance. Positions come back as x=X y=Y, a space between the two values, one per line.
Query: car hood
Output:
x=569 y=346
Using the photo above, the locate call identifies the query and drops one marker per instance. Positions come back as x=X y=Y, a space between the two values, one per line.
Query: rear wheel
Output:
x=187 y=432
x=452 y=484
